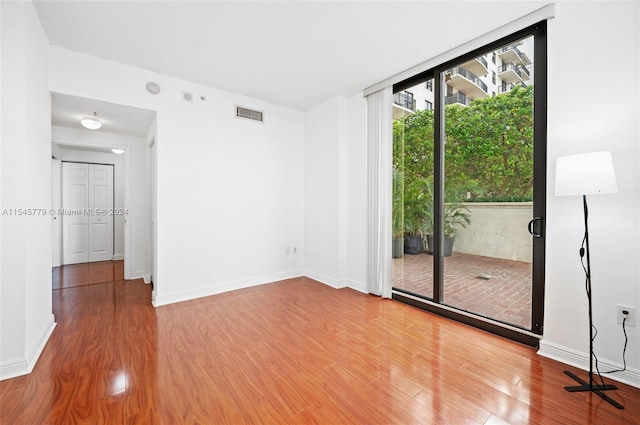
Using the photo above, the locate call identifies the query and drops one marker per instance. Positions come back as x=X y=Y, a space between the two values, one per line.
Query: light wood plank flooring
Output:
x=294 y=352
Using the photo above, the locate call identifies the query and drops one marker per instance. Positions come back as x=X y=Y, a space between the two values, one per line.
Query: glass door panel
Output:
x=488 y=184
x=412 y=218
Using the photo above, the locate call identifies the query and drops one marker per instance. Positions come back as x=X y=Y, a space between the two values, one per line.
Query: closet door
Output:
x=100 y=217
x=75 y=224
x=87 y=220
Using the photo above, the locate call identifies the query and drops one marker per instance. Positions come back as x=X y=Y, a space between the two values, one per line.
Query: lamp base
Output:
x=595 y=388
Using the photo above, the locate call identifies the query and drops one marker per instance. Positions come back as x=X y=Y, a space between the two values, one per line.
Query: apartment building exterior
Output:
x=494 y=73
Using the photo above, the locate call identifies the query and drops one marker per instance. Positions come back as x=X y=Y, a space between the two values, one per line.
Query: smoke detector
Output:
x=153 y=87
x=187 y=97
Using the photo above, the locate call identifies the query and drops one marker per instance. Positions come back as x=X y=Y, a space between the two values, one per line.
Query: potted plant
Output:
x=397 y=215
x=417 y=214
x=456 y=216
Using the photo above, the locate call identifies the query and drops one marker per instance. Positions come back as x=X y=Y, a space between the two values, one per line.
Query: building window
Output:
x=428 y=105
x=493 y=57
x=493 y=77
x=429 y=85
x=405 y=99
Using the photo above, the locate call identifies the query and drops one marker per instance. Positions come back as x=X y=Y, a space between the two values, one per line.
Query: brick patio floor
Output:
x=492 y=287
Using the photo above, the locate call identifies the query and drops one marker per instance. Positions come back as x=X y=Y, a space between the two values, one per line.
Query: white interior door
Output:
x=101 y=212
x=153 y=205
x=87 y=220
x=75 y=224
x=56 y=205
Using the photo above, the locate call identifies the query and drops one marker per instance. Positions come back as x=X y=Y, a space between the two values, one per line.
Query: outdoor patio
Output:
x=492 y=287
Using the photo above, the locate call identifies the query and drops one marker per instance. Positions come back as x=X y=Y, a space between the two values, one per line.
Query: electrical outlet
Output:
x=295 y=250
x=631 y=317
x=288 y=250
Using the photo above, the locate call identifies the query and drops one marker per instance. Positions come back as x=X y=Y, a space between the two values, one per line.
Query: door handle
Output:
x=535 y=230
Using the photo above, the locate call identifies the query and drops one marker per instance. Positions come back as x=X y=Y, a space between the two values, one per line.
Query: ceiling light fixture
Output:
x=92 y=123
x=117 y=151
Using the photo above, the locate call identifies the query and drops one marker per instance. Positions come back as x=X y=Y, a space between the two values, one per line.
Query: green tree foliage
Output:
x=488 y=148
x=489 y=145
x=413 y=145
x=397 y=226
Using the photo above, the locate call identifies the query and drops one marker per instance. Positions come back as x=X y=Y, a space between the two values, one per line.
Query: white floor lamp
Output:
x=587 y=174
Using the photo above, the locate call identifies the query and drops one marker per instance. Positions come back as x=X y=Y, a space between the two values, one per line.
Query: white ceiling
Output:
x=292 y=53
x=100 y=149
x=67 y=111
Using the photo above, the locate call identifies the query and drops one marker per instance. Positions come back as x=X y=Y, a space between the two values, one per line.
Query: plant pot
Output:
x=397 y=249
x=413 y=244
x=448 y=245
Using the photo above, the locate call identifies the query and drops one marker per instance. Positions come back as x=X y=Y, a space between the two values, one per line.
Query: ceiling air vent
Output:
x=249 y=114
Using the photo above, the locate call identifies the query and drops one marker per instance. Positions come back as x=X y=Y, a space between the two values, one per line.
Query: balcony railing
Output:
x=514 y=55
x=457 y=98
x=516 y=69
x=405 y=100
x=507 y=88
x=512 y=47
x=469 y=76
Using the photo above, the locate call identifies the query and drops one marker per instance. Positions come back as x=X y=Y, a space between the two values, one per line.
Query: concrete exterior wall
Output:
x=498 y=230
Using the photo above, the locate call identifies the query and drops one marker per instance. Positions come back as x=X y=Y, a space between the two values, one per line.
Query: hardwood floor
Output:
x=294 y=352
x=87 y=274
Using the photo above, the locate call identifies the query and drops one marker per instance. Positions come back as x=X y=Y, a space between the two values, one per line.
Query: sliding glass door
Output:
x=488 y=184
x=469 y=186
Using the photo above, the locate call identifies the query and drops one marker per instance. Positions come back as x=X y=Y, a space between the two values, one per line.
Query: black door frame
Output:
x=529 y=337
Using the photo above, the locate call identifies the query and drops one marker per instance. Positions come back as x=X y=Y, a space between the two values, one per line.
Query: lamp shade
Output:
x=585 y=174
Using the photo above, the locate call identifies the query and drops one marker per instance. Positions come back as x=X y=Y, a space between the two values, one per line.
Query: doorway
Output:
x=122 y=141
x=469 y=187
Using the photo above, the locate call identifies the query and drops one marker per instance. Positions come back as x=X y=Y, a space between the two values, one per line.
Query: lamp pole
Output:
x=590 y=386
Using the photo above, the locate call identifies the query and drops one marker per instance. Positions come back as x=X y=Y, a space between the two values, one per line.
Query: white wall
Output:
x=593 y=105
x=26 y=319
x=118 y=163
x=357 y=192
x=336 y=192
x=324 y=235
x=229 y=191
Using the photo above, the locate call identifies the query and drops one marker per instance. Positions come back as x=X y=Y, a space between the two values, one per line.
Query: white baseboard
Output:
x=222 y=287
x=14 y=368
x=581 y=360
x=24 y=366
x=117 y=257
x=336 y=283
x=323 y=278
x=357 y=286
x=140 y=274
